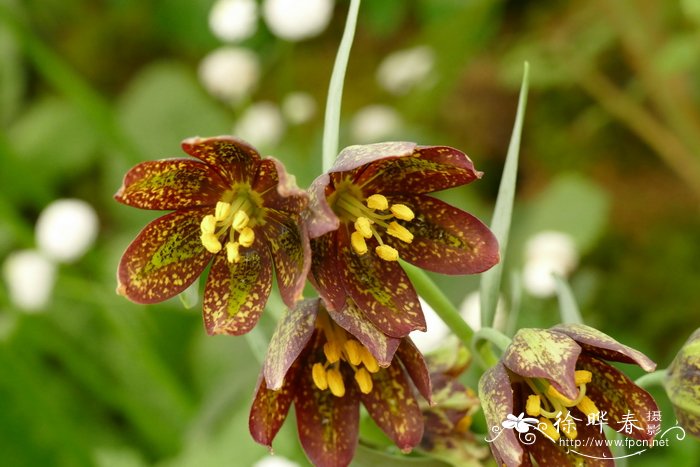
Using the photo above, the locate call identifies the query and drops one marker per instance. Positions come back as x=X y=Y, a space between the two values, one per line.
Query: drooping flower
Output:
x=230 y=205
x=326 y=372
x=371 y=209
x=683 y=384
x=560 y=377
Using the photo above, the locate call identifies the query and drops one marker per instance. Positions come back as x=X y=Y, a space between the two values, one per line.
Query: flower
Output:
x=403 y=70
x=261 y=122
x=326 y=372
x=548 y=253
x=66 y=229
x=232 y=206
x=230 y=73
x=233 y=20
x=683 y=384
x=560 y=375
x=296 y=20
x=371 y=209
x=30 y=278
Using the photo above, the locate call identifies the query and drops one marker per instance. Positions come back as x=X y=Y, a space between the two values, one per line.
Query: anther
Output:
x=403 y=212
x=363 y=225
x=588 y=407
x=208 y=224
x=232 y=254
x=399 y=231
x=368 y=360
x=335 y=382
x=463 y=424
x=353 y=350
x=332 y=352
x=240 y=220
x=210 y=242
x=582 y=377
x=554 y=394
x=387 y=253
x=378 y=202
x=222 y=211
x=364 y=380
x=319 y=375
x=532 y=407
x=358 y=243
x=549 y=429
x=247 y=237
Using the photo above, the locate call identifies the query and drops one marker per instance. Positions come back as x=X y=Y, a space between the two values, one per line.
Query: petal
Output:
x=356 y=156
x=683 y=384
x=328 y=426
x=279 y=189
x=539 y=353
x=446 y=239
x=270 y=408
x=236 y=293
x=615 y=393
x=291 y=253
x=392 y=406
x=496 y=396
x=380 y=289
x=320 y=218
x=547 y=452
x=428 y=169
x=170 y=184
x=415 y=366
x=293 y=332
x=164 y=259
x=234 y=159
x=603 y=346
x=324 y=271
x=381 y=346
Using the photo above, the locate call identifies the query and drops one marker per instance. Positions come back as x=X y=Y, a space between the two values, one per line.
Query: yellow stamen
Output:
x=368 y=360
x=588 y=407
x=222 y=211
x=353 y=350
x=532 y=407
x=582 y=377
x=549 y=429
x=363 y=225
x=335 y=382
x=319 y=375
x=463 y=424
x=568 y=426
x=378 y=202
x=364 y=380
x=232 y=254
x=554 y=394
x=208 y=224
x=240 y=220
x=403 y=212
x=247 y=237
x=332 y=351
x=358 y=243
x=399 y=231
x=210 y=242
x=387 y=253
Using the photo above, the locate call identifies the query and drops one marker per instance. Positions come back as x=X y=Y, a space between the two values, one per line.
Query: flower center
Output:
x=370 y=216
x=231 y=225
x=340 y=347
x=549 y=404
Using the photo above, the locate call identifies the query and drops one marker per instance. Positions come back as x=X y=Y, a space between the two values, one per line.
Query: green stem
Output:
x=652 y=379
x=484 y=354
x=568 y=309
x=331 y=127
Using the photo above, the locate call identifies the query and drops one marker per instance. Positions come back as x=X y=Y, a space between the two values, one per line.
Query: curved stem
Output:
x=652 y=379
x=483 y=353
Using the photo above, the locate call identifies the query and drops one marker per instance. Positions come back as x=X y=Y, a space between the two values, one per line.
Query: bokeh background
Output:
x=610 y=162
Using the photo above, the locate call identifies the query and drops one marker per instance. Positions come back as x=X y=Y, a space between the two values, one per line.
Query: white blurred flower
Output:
x=403 y=70
x=233 y=20
x=375 y=123
x=548 y=253
x=66 y=229
x=30 y=278
x=229 y=73
x=470 y=310
x=436 y=331
x=275 y=461
x=295 y=20
x=298 y=107
x=261 y=124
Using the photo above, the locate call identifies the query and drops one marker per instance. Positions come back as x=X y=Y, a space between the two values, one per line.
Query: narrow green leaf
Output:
x=568 y=309
x=500 y=224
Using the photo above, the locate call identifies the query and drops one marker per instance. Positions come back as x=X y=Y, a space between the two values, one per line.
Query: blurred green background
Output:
x=610 y=155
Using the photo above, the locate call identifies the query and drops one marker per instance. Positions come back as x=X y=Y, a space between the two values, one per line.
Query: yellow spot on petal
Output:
x=240 y=220
x=582 y=377
x=533 y=405
x=364 y=226
x=358 y=243
x=210 y=242
x=399 y=231
x=364 y=380
x=319 y=375
x=387 y=253
x=335 y=382
x=378 y=202
x=232 y=254
x=222 y=211
x=247 y=237
x=403 y=212
x=353 y=350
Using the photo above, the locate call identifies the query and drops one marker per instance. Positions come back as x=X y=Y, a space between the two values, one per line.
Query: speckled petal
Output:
x=289 y=245
x=270 y=408
x=683 y=384
x=428 y=169
x=603 y=346
x=415 y=366
x=236 y=293
x=381 y=346
x=279 y=189
x=233 y=158
x=446 y=239
x=540 y=353
x=320 y=218
x=170 y=184
x=324 y=271
x=328 y=426
x=380 y=289
x=546 y=452
x=164 y=259
x=356 y=156
x=293 y=332
x=393 y=407
x=496 y=396
x=615 y=393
